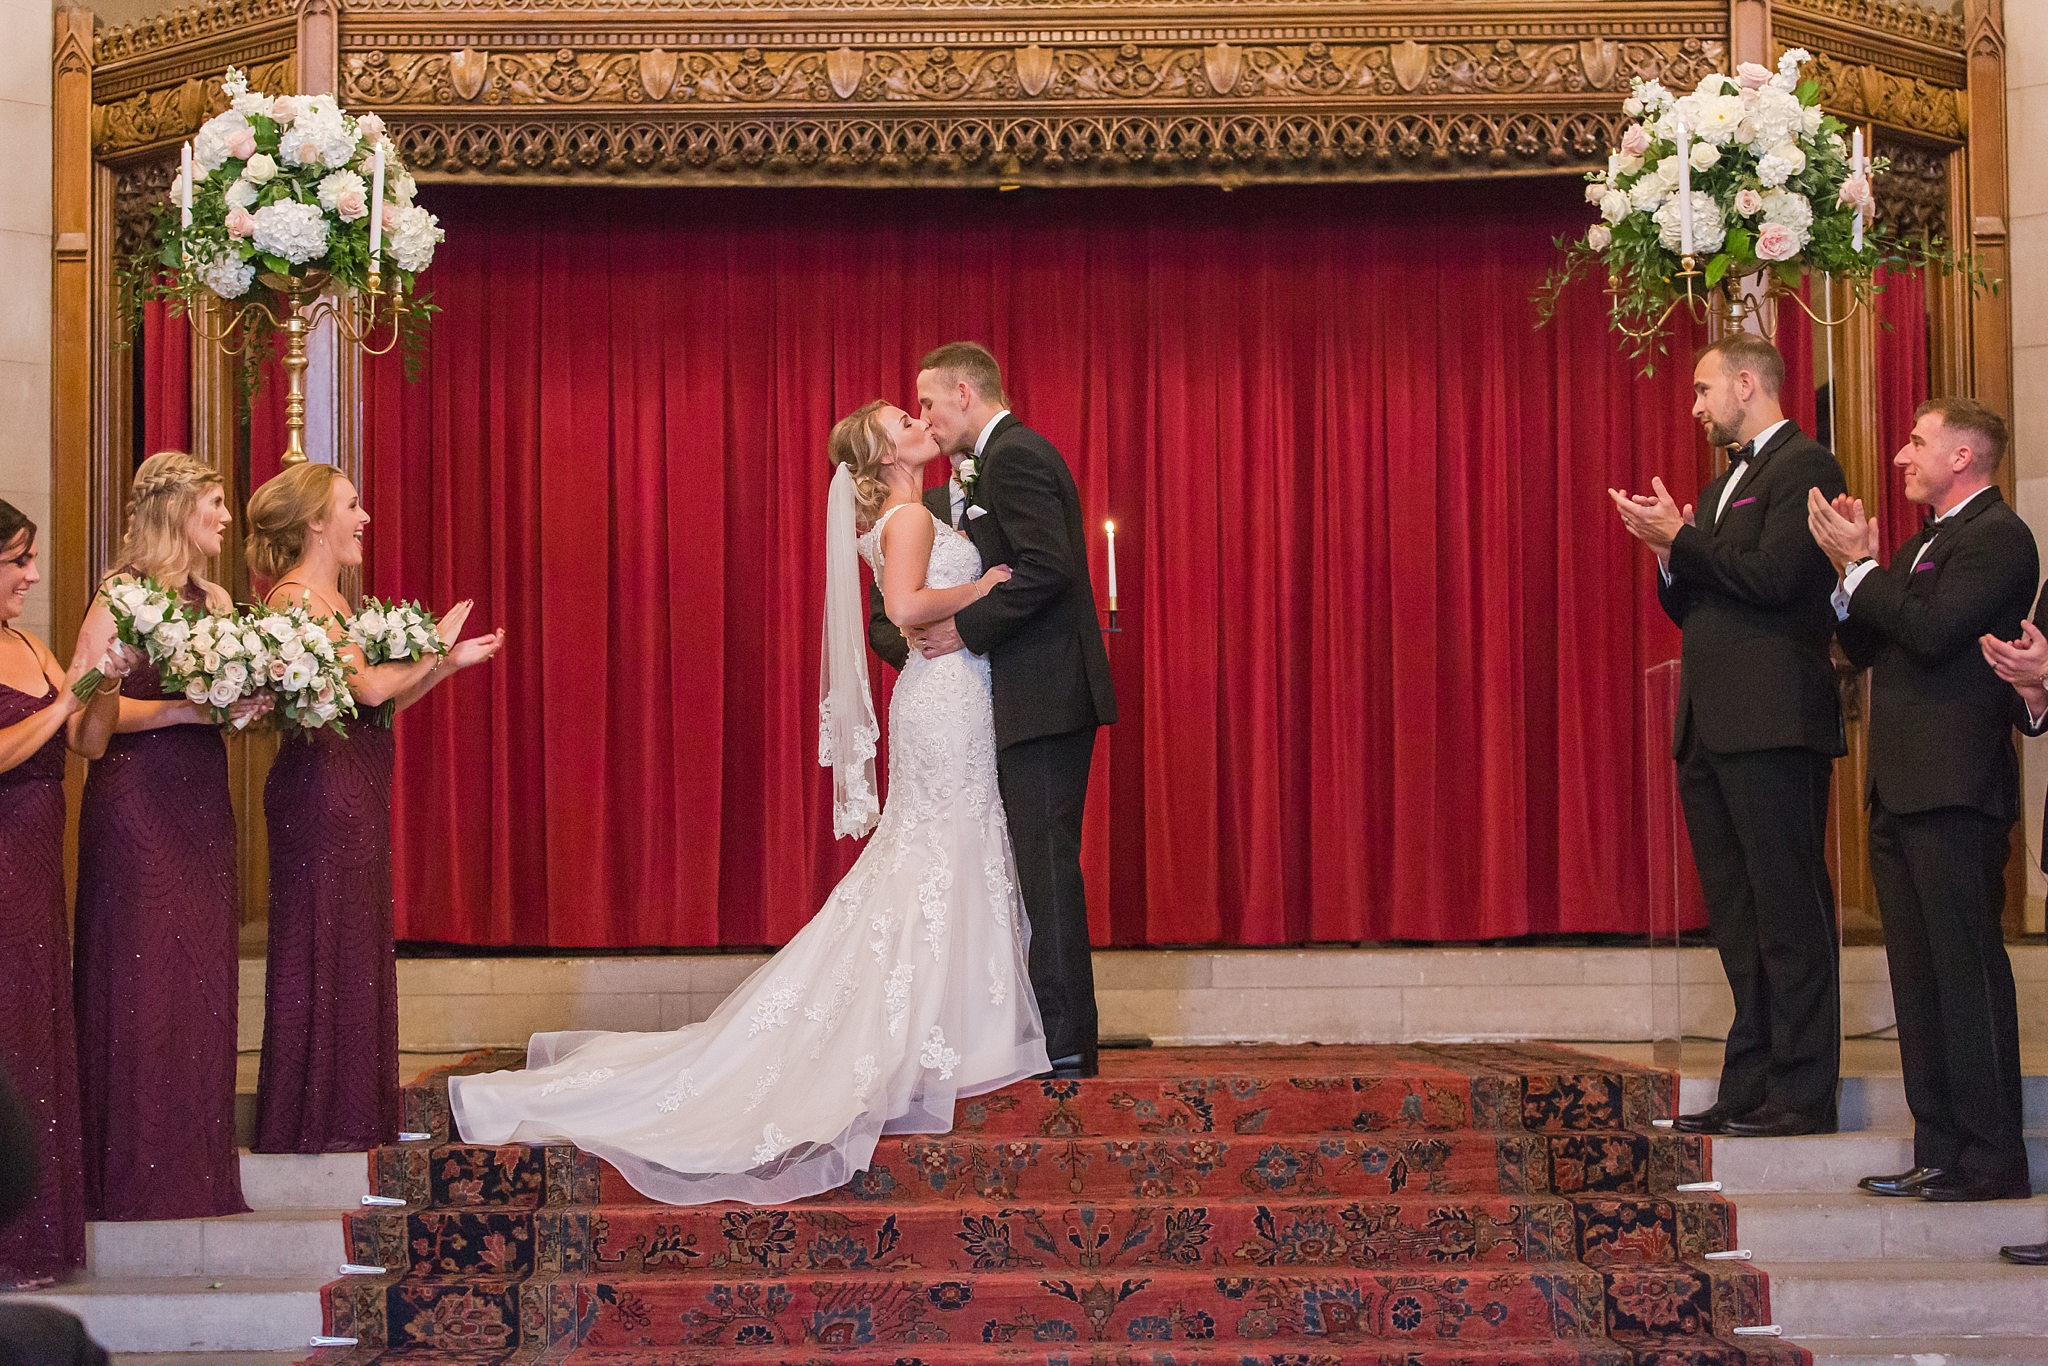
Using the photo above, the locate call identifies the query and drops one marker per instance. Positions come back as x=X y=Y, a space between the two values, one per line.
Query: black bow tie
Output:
x=1742 y=455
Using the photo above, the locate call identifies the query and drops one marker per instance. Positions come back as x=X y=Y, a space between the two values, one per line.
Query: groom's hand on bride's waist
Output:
x=939 y=638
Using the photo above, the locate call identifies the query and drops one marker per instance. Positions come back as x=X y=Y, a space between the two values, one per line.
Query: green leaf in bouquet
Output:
x=276 y=265
x=1790 y=273
x=1718 y=267
x=1808 y=91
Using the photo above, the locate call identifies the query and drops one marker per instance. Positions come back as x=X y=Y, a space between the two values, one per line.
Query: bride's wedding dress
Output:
x=905 y=991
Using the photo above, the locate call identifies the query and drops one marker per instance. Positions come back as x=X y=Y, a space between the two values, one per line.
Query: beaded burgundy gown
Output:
x=37 y=1044
x=156 y=977
x=329 y=1077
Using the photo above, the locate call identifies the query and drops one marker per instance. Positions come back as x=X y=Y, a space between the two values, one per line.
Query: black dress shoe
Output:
x=1712 y=1120
x=1905 y=1183
x=2025 y=1254
x=1768 y=1121
x=1959 y=1188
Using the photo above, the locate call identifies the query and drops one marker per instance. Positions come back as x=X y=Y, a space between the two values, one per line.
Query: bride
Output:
x=907 y=990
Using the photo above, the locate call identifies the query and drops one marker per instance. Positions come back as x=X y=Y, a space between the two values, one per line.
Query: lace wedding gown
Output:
x=906 y=990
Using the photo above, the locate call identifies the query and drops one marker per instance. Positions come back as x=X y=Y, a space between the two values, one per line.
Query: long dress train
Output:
x=906 y=991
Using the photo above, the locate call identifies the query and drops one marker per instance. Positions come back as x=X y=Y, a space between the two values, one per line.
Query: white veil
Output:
x=847 y=732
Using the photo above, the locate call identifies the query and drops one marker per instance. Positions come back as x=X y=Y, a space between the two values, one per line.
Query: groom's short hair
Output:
x=1748 y=351
x=972 y=362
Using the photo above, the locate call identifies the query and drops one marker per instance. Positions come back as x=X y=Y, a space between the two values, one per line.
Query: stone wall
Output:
x=25 y=42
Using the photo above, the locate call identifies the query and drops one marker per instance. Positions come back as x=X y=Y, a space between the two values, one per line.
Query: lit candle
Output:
x=1684 y=191
x=376 y=206
x=1856 y=165
x=1109 y=529
x=185 y=185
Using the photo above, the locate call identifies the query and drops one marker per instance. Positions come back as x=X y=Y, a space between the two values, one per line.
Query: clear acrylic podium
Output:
x=1674 y=902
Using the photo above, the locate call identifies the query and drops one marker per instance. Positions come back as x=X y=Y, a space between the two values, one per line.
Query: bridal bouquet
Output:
x=146 y=614
x=303 y=667
x=395 y=632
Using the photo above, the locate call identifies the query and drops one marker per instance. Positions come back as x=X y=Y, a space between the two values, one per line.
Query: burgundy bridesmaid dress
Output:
x=329 y=1078
x=157 y=972
x=37 y=1044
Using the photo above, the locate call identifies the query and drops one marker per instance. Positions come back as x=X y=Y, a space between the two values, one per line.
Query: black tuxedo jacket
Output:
x=885 y=638
x=1940 y=719
x=1753 y=593
x=1039 y=630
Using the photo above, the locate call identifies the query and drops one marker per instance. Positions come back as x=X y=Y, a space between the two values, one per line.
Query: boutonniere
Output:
x=967 y=476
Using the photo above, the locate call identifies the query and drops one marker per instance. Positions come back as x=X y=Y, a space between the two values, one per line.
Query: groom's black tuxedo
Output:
x=1052 y=689
x=1758 y=726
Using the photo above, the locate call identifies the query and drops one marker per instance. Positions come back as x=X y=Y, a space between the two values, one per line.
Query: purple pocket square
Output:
x=1923 y=567
x=1741 y=503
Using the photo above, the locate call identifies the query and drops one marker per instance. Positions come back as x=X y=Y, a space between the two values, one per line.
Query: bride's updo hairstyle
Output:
x=281 y=512
x=859 y=441
x=166 y=491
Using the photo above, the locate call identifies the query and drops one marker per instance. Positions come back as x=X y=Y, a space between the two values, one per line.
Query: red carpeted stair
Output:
x=1415 y=1205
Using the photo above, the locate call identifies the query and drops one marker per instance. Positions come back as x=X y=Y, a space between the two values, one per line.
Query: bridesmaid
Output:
x=329 y=1076
x=155 y=980
x=38 y=715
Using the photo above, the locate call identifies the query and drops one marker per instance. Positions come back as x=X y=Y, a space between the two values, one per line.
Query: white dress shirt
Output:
x=982 y=440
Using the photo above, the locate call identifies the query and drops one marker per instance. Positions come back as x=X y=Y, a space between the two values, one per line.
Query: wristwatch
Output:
x=1850 y=567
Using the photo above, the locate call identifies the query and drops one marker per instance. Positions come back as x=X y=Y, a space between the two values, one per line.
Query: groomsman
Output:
x=1759 y=725
x=1944 y=790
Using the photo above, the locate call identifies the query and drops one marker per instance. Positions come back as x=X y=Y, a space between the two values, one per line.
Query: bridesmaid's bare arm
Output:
x=25 y=737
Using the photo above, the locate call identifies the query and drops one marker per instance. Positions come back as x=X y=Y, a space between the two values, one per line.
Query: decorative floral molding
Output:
x=1890 y=18
x=1887 y=97
x=1914 y=196
x=173 y=113
x=193 y=24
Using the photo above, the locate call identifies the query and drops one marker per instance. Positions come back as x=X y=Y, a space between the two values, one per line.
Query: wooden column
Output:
x=71 y=330
x=1749 y=32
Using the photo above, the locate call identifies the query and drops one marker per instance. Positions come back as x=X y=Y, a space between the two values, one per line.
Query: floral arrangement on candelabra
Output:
x=286 y=210
x=1726 y=198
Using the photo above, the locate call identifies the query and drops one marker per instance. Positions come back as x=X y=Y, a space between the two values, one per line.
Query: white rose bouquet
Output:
x=148 y=615
x=395 y=632
x=1772 y=186
x=303 y=667
x=216 y=665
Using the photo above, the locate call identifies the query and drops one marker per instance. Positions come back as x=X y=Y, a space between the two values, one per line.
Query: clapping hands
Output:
x=1841 y=528
x=1653 y=519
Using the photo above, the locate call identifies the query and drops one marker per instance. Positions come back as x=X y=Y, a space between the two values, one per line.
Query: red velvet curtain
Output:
x=1383 y=639
x=166 y=345
x=1904 y=382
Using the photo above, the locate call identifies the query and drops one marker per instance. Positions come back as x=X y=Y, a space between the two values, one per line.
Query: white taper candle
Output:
x=1684 y=191
x=1856 y=165
x=376 y=205
x=185 y=193
x=1109 y=529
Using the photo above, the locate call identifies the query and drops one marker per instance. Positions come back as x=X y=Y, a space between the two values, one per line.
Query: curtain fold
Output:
x=1383 y=638
x=166 y=374
x=1904 y=382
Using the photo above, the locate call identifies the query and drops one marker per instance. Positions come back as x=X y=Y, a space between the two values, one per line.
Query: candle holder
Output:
x=1112 y=629
x=305 y=302
x=1733 y=302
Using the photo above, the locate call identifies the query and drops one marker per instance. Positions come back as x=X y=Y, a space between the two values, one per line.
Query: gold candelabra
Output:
x=357 y=316
x=1731 y=303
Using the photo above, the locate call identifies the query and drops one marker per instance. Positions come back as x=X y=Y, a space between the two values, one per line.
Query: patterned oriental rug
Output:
x=1415 y=1205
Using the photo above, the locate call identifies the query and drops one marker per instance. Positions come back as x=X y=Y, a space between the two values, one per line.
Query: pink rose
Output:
x=1776 y=242
x=284 y=109
x=1856 y=194
x=391 y=212
x=1748 y=203
x=309 y=153
x=241 y=223
x=350 y=206
x=1635 y=141
x=1599 y=236
x=242 y=144
x=370 y=127
x=1752 y=76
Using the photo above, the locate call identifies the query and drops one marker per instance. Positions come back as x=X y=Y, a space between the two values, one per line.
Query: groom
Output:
x=1051 y=675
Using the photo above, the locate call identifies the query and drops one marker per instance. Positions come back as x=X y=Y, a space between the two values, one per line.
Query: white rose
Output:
x=235 y=672
x=1809 y=120
x=148 y=617
x=1632 y=107
x=195 y=692
x=1595 y=189
x=402 y=188
x=1614 y=206
x=1599 y=236
x=251 y=642
x=223 y=693
x=299 y=673
x=419 y=634
x=209 y=661
x=172 y=635
x=260 y=169
x=276 y=627
x=395 y=643
x=291 y=651
x=1705 y=156
x=371 y=623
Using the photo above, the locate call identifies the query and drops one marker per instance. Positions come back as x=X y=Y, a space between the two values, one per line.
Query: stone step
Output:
x=1870 y=1102
x=265 y=1243
x=189 y=1314
x=1852 y=1226
x=285 y=1181
x=1830 y=1162
x=1960 y=1351
x=1909 y=1300
x=290 y=1358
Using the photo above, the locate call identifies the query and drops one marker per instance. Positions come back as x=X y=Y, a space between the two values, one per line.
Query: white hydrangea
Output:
x=242 y=194
x=1790 y=208
x=295 y=231
x=1787 y=78
x=414 y=238
x=337 y=185
x=1780 y=164
x=1774 y=117
x=210 y=144
x=1654 y=98
x=401 y=188
x=228 y=275
x=1655 y=186
x=320 y=136
x=1708 y=229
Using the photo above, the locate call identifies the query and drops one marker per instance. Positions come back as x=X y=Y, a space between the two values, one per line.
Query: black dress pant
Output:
x=1758 y=825
x=1941 y=891
x=1044 y=783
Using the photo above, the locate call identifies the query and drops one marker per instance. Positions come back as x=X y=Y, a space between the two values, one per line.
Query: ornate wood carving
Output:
x=1887 y=97
x=140 y=187
x=1914 y=197
x=155 y=82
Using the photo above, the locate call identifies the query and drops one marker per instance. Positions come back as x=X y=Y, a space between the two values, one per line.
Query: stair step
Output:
x=1960 y=1351
x=1830 y=1162
x=265 y=1243
x=281 y=1181
x=1951 y=1298
x=281 y=1358
x=187 y=1314
x=1873 y=1101
x=1853 y=1226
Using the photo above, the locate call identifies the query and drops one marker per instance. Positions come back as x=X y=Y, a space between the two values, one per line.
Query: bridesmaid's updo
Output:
x=280 y=513
x=167 y=488
x=859 y=441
